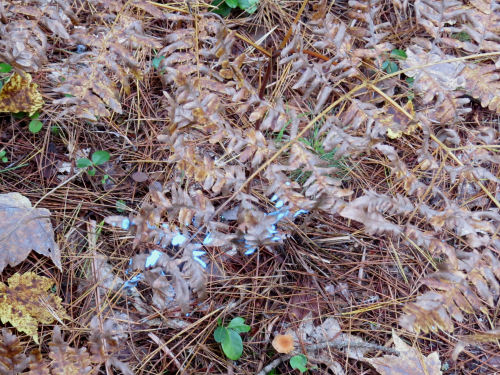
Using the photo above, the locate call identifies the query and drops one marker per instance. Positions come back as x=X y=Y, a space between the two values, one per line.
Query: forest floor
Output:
x=282 y=187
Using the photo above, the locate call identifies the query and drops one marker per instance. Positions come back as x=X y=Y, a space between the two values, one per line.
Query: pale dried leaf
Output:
x=410 y=361
x=23 y=229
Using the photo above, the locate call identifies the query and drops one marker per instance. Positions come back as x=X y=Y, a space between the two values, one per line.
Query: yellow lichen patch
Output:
x=27 y=302
x=19 y=94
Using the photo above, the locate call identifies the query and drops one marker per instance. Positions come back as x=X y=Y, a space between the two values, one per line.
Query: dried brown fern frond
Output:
x=437 y=85
x=480 y=24
x=106 y=341
x=369 y=208
x=12 y=358
x=25 y=36
x=63 y=359
x=320 y=77
x=475 y=226
x=173 y=280
x=483 y=83
x=471 y=286
x=434 y=15
x=367 y=11
x=88 y=78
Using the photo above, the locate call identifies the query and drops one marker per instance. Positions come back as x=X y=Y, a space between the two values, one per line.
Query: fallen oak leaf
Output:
x=26 y=302
x=410 y=361
x=24 y=228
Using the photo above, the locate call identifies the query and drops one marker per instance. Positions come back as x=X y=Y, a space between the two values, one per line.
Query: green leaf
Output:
x=104 y=178
x=121 y=206
x=83 y=163
x=232 y=3
x=35 y=116
x=232 y=345
x=222 y=8
x=100 y=157
x=390 y=66
x=219 y=334
x=5 y=159
x=5 y=68
x=398 y=54
x=156 y=61
x=298 y=362
x=249 y=6
x=19 y=115
x=35 y=126
x=92 y=172
x=238 y=324
x=2 y=153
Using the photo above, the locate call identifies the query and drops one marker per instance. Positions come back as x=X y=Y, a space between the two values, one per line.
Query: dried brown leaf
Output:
x=22 y=229
x=410 y=361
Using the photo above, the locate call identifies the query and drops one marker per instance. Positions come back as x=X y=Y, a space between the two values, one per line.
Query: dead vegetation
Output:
x=328 y=171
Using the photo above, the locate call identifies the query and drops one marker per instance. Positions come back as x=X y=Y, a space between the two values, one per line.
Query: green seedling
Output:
x=98 y=158
x=35 y=124
x=389 y=65
x=3 y=156
x=229 y=337
x=224 y=7
x=4 y=68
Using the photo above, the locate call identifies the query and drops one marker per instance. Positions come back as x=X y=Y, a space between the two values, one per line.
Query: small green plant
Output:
x=98 y=158
x=3 y=156
x=35 y=124
x=224 y=7
x=390 y=65
x=229 y=337
x=4 y=68
x=299 y=362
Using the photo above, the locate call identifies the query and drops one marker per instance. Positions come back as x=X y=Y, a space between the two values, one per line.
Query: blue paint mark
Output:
x=300 y=212
x=153 y=258
x=125 y=224
x=279 y=204
x=198 y=253
x=178 y=239
x=80 y=48
x=272 y=229
x=201 y=262
x=274 y=198
x=132 y=283
x=250 y=251
x=208 y=239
